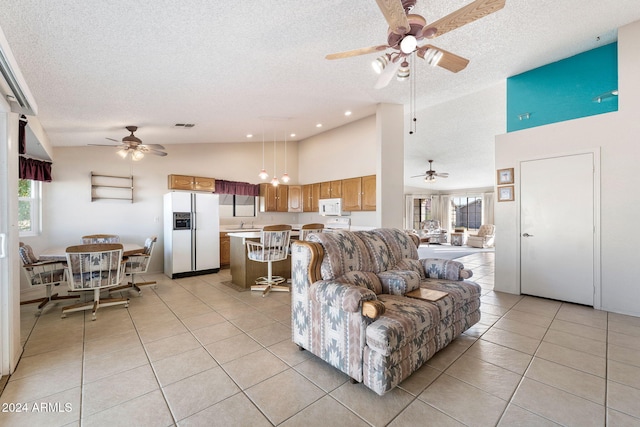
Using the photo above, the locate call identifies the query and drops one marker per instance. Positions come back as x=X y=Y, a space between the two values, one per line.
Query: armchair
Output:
x=42 y=273
x=138 y=263
x=431 y=229
x=485 y=237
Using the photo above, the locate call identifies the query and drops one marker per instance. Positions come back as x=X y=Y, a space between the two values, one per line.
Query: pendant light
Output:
x=263 y=173
x=274 y=181
x=285 y=178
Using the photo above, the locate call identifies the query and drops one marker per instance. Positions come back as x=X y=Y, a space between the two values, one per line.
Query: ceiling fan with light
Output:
x=406 y=30
x=430 y=175
x=133 y=145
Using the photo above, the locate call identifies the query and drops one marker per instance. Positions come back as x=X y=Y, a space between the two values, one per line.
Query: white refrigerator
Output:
x=191 y=234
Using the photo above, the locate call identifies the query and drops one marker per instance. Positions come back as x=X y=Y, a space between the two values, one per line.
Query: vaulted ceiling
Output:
x=233 y=68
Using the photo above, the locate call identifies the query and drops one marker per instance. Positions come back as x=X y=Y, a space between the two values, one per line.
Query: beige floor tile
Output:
x=191 y=309
x=376 y=410
x=236 y=410
x=557 y=405
x=516 y=416
x=619 y=419
x=625 y=328
x=521 y=328
x=573 y=358
x=193 y=394
x=236 y=311
x=504 y=357
x=495 y=310
x=48 y=343
x=623 y=318
x=147 y=410
x=539 y=306
x=58 y=409
x=161 y=330
x=272 y=396
x=511 y=340
x=623 y=398
x=419 y=413
x=99 y=346
x=113 y=363
x=289 y=352
x=571 y=380
x=624 y=373
x=33 y=387
x=232 y=348
x=583 y=315
x=419 y=380
x=493 y=379
x=217 y=332
x=624 y=340
x=529 y=318
x=180 y=366
x=501 y=299
x=623 y=354
x=117 y=389
x=202 y=320
x=325 y=412
x=171 y=346
x=253 y=321
x=463 y=402
x=253 y=368
x=322 y=374
x=43 y=363
x=585 y=345
x=488 y=319
x=579 y=330
x=109 y=321
x=271 y=334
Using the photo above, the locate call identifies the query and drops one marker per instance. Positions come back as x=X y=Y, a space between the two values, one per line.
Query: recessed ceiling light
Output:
x=347 y=113
x=319 y=125
x=249 y=135
x=292 y=135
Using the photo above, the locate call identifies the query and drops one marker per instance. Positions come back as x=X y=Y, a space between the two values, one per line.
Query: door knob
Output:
x=527 y=235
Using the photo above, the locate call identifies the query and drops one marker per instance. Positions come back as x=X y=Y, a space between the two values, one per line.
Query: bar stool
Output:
x=273 y=246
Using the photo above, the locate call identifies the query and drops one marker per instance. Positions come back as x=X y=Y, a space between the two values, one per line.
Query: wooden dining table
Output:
x=59 y=253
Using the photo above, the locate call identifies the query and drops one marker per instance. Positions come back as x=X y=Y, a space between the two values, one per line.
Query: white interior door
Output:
x=558 y=228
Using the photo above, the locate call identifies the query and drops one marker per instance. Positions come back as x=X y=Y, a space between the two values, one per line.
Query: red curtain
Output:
x=35 y=170
x=239 y=188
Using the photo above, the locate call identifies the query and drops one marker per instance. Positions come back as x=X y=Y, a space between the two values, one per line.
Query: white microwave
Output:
x=330 y=207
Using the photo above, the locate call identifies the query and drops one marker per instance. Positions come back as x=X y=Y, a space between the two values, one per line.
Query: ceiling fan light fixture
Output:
x=403 y=72
x=433 y=56
x=408 y=44
x=123 y=152
x=137 y=155
x=380 y=63
x=430 y=179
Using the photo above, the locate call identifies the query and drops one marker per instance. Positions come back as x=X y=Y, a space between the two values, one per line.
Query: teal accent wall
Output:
x=564 y=90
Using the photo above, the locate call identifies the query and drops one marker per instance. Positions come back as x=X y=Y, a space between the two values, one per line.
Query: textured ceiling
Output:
x=232 y=67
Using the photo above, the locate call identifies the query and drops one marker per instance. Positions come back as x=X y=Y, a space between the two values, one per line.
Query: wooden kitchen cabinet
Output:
x=331 y=189
x=311 y=195
x=295 y=198
x=194 y=183
x=274 y=199
x=359 y=194
x=225 y=249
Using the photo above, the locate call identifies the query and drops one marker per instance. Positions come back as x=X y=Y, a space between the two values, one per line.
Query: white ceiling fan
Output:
x=132 y=144
x=430 y=175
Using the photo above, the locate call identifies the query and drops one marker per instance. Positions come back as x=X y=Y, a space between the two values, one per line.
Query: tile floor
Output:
x=196 y=352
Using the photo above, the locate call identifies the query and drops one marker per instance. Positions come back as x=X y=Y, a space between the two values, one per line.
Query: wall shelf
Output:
x=112 y=187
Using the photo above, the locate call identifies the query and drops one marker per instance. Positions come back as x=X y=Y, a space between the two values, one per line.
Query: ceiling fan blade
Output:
x=157 y=146
x=106 y=145
x=395 y=15
x=357 y=52
x=463 y=16
x=156 y=152
x=442 y=175
x=387 y=74
x=417 y=176
x=449 y=61
x=111 y=139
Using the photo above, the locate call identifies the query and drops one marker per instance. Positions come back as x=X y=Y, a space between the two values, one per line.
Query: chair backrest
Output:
x=149 y=244
x=140 y=263
x=431 y=224
x=95 y=266
x=275 y=240
x=26 y=254
x=42 y=273
x=486 y=230
x=307 y=229
x=100 y=238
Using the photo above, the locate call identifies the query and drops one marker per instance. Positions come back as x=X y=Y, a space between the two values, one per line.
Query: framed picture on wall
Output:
x=505 y=176
x=505 y=194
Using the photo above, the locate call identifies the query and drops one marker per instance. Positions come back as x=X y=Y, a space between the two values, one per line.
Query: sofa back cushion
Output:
x=363 y=279
x=400 y=244
x=344 y=252
x=381 y=257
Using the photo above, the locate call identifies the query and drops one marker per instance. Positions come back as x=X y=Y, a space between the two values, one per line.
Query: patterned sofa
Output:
x=349 y=305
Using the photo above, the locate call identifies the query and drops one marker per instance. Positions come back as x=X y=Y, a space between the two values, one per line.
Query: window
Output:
x=233 y=205
x=421 y=212
x=466 y=211
x=29 y=196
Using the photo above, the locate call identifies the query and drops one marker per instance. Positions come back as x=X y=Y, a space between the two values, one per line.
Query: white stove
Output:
x=337 y=224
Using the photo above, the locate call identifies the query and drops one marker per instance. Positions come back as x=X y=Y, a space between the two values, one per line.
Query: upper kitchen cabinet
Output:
x=311 y=195
x=331 y=189
x=295 y=198
x=274 y=199
x=359 y=194
x=193 y=183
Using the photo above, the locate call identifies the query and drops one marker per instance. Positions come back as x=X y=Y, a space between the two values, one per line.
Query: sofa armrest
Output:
x=399 y=282
x=438 y=268
x=342 y=296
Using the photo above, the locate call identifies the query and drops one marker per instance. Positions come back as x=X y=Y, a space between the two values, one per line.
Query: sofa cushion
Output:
x=364 y=279
x=344 y=252
x=404 y=319
x=412 y=265
x=381 y=257
x=399 y=282
x=399 y=242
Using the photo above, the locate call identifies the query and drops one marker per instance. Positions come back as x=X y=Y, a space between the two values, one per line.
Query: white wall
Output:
x=616 y=136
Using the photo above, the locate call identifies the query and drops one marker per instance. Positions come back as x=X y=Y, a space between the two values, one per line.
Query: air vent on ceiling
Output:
x=185 y=125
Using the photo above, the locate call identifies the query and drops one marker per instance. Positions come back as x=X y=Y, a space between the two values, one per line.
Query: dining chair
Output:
x=42 y=273
x=138 y=263
x=94 y=267
x=273 y=247
x=307 y=229
x=100 y=238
